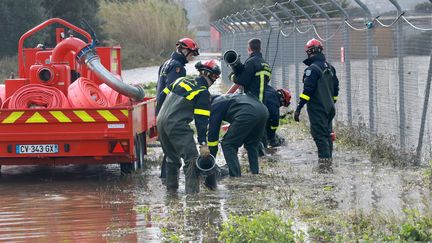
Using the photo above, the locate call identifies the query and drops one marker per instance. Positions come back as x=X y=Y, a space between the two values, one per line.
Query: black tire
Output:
x=127 y=168
x=142 y=149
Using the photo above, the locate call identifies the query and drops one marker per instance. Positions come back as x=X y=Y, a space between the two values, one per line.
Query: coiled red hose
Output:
x=85 y=93
x=37 y=96
x=113 y=96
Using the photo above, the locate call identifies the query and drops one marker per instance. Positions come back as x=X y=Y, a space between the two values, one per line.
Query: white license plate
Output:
x=37 y=148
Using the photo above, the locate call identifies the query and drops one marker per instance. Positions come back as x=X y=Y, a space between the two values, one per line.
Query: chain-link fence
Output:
x=383 y=62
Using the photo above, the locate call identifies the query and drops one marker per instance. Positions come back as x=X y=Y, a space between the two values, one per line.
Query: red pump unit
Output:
x=55 y=113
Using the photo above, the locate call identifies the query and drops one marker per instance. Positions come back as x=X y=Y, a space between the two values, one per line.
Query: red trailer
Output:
x=117 y=133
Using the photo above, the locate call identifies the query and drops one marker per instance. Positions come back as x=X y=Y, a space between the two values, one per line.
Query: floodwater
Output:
x=98 y=204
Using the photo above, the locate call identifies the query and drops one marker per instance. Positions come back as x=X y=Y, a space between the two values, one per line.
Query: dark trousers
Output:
x=247 y=130
x=176 y=144
x=321 y=128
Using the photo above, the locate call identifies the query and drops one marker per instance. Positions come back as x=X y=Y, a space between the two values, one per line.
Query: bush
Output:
x=144 y=29
x=262 y=227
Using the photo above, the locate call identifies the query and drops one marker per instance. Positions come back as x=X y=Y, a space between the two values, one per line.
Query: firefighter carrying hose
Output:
x=171 y=70
x=186 y=99
x=247 y=117
x=255 y=74
x=320 y=92
x=274 y=99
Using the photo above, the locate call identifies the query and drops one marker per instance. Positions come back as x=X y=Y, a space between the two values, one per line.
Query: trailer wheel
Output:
x=127 y=168
x=139 y=151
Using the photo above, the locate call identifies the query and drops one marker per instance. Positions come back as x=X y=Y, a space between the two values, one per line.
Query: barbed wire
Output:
x=390 y=25
x=328 y=38
x=304 y=32
x=415 y=27
x=354 y=28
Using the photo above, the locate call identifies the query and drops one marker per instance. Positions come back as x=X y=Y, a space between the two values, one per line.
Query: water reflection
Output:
x=47 y=204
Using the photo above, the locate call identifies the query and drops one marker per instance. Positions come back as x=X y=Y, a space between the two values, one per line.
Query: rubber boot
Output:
x=210 y=182
x=191 y=178
x=172 y=176
x=325 y=165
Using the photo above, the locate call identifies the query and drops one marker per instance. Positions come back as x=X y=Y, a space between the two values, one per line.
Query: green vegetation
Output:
x=144 y=29
x=260 y=227
x=373 y=227
x=150 y=89
x=17 y=17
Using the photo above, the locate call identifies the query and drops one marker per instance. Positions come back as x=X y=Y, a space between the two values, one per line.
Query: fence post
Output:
x=370 y=69
x=294 y=50
x=424 y=114
x=400 y=55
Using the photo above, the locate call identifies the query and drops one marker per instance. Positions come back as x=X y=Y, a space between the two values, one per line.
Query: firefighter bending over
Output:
x=186 y=99
x=320 y=92
x=247 y=117
x=274 y=99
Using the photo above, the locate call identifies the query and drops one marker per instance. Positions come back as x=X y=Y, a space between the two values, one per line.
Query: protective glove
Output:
x=297 y=115
x=204 y=150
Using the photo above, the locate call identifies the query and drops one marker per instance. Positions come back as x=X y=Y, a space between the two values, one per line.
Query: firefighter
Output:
x=274 y=99
x=247 y=117
x=174 y=68
x=186 y=99
x=171 y=70
x=320 y=92
x=255 y=74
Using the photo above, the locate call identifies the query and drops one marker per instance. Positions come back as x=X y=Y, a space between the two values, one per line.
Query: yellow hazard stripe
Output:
x=274 y=127
x=305 y=97
x=13 y=117
x=185 y=86
x=202 y=112
x=192 y=95
x=107 y=115
x=212 y=144
x=60 y=116
x=125 y=112
x=36 y=118
x=84 y=116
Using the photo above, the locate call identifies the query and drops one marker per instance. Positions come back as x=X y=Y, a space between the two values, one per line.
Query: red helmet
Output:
x=313 y=46
x=189 y=44
x=284 y=96
x=210 y=67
